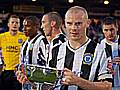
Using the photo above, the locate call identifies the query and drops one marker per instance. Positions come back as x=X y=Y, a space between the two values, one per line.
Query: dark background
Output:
x=96 y=8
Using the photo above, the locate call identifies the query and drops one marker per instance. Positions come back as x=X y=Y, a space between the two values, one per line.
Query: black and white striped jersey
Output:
x=54 y=48
x=112 y=51
x=34 y=51
x=87 y=62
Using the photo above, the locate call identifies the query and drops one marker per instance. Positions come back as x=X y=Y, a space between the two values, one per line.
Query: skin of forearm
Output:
x=89 y=85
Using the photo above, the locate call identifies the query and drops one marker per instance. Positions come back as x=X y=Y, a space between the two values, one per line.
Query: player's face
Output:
x=46 y=25
x=76 y=25
x=110 y=32
x=14 y=24
x=29 y=28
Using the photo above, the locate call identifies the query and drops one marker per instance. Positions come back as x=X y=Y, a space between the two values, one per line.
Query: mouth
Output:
x=74 y=33
x=14 y=27
x=14 y=30
x=110 y=37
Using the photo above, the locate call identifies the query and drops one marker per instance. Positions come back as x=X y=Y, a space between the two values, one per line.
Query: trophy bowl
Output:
x=41 y=74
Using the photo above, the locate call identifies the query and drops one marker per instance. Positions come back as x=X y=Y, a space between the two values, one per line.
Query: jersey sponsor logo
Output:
x=88 y=58
x=12 y=48
x=20 y=40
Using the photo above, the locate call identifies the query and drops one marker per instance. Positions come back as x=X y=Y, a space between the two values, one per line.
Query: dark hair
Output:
x=110 y=20
x=55 y=16
x=13 y=16
x=34 y=19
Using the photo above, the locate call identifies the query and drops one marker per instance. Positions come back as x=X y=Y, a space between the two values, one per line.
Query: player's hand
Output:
x=21 y=77
x=116 y=60
x=69 y=77
x=110 y=67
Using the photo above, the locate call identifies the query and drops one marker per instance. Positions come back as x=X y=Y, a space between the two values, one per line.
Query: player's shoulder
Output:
x=63 y=45
x=21 y=33
x=4 y=34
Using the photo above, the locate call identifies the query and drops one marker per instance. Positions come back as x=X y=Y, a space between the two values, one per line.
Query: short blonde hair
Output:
x=77 y=9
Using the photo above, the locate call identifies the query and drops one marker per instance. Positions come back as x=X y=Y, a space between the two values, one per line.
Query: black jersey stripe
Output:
x=61 y=38
x=68 y=64
x=69 y=59
x=86 y=68
x=31 y=50
x=108 y=50
x=53 y=61
x=119 y=46
x=24 y=52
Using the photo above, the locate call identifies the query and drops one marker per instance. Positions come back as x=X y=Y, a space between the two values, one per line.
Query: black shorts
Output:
x=8 y=81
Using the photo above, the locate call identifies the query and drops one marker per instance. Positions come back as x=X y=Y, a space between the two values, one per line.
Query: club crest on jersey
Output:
x=20 y=40
x=87 y=58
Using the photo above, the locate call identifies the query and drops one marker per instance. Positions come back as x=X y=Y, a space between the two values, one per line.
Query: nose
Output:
x=15 y=23
x=110 y=32
x=74 y=26
x=41 y=26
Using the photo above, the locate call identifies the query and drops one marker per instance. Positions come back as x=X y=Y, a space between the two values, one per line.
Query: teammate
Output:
x=34 y=49
x=52 y=25
x=10 y=43
x=81 y=59
x=111 y=45
x=35 y=43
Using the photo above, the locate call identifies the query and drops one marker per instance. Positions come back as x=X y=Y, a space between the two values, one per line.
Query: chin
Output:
x=26 y=34
x=75 y=39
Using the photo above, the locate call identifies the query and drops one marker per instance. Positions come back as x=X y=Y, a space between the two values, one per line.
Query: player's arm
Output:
x=71 y=79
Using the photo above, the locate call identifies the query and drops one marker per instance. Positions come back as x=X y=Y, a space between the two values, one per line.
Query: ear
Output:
x=8 y=24
x=53 y=23
x=88 y=22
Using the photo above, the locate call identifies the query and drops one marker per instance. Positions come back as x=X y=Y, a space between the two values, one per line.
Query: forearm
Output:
x=88 y=85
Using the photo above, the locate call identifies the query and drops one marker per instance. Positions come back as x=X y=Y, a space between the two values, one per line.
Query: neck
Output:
x=49 y=38
x=13 y=33
x=31 y=37
x=75 y=44
x=55 y=31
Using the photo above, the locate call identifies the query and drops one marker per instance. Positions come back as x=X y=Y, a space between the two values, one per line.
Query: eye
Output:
x=12 y=22
x=16 y=22
x=43 y=22
x=106 y=30
x=69 y=23
x=112 y=29
x=78 y=23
